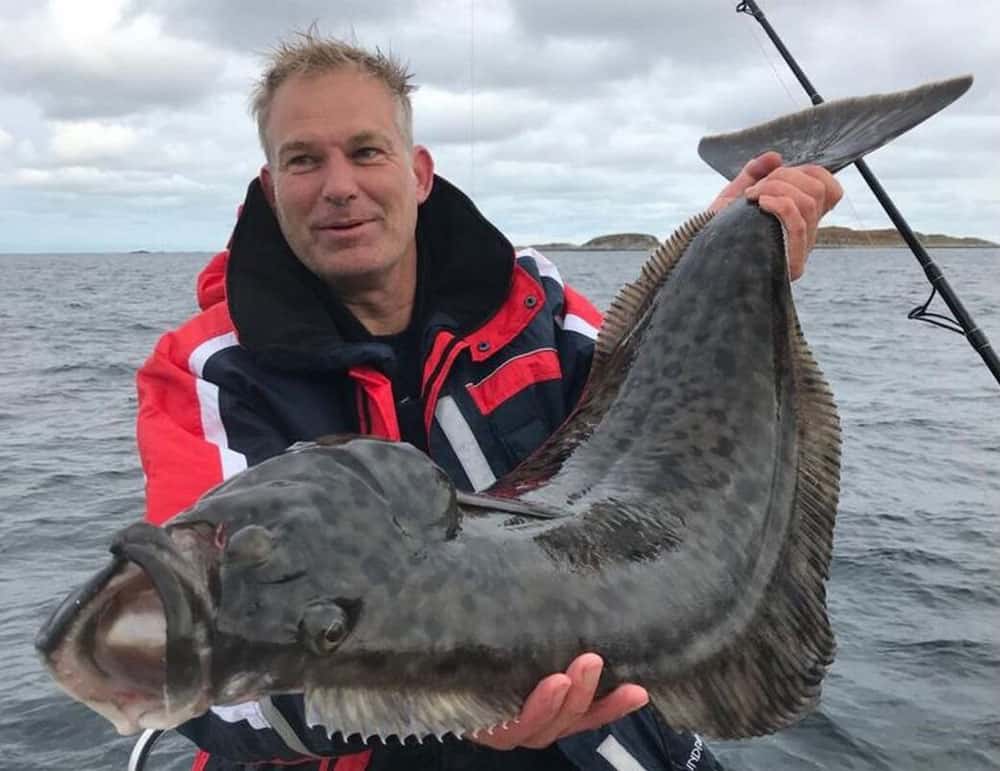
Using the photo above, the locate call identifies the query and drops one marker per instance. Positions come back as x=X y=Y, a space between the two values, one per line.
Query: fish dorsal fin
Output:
x=635 y=298
x=381 y=712
x=618 y=337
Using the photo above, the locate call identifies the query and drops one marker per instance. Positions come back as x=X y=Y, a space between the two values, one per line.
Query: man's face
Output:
x=341 y=179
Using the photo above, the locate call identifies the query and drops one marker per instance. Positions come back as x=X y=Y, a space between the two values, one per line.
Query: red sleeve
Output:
x=180 y=456
x=575 y=304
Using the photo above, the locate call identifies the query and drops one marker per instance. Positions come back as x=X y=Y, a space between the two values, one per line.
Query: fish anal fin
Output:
x=770 y=676
x=407 y=712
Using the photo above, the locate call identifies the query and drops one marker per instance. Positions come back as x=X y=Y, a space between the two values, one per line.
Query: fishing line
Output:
x=971 y=331
x=472 y=98
x=797 y=104
x=777 y=75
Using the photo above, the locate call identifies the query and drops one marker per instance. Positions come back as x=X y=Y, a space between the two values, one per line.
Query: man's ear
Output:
x=267 y=184
x=423 y=170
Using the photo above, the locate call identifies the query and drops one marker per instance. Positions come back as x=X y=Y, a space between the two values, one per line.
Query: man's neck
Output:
x=384 y=307
x=381 y=319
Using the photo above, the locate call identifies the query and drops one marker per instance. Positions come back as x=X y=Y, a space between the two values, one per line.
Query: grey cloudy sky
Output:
x=124 y=123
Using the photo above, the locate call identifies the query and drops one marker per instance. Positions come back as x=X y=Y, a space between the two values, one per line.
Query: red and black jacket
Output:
x=273 y=359
x=505 y=349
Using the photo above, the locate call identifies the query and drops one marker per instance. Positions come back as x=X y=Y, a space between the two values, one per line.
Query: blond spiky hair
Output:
x=307 y=53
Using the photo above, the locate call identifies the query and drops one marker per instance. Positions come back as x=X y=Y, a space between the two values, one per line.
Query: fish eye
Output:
x=335 y=632
x=324 y=626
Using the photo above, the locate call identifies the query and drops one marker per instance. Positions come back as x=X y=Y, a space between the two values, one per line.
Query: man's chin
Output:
x=358 y=268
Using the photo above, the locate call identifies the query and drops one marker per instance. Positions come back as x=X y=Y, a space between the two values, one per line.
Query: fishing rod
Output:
x=963 y=324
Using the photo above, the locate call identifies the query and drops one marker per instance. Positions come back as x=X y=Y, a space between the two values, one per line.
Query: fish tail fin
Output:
x=833 y=134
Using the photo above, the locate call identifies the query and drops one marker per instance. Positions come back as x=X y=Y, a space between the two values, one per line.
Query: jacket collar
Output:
x=287 y=317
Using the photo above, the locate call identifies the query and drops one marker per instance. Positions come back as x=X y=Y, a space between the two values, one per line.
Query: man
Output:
x=361 y=293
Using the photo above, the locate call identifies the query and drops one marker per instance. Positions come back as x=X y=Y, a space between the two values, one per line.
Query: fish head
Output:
x=237 y=597
x=252 y=589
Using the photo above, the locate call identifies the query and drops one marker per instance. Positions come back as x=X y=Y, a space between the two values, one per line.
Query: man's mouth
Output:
x=343 y=227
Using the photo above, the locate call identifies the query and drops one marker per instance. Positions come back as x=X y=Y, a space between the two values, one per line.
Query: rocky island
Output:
x=839 y=237
x=616 y=242
x=832 y=237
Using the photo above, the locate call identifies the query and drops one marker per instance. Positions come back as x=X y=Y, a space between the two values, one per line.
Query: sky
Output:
x=124 y=124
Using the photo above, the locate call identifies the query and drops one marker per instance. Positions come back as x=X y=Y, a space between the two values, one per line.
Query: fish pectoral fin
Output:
x=382 y=712
x=833 y=134
x=494 y=503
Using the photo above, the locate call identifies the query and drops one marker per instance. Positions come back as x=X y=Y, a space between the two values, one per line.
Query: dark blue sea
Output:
x=915 y=588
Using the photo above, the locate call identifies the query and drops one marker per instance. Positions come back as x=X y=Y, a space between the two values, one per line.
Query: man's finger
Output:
x=754 y=171
x=787 y=180
x=585 y=674
x=795 y=230
x=540 y=708
x=806 y=203
x=834 y=191
x=813 y=180
x=614 y=706
x=563 y=704
x=759 y=167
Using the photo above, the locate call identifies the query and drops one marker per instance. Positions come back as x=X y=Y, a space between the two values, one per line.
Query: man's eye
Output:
x=367 y=153
x=301 y=161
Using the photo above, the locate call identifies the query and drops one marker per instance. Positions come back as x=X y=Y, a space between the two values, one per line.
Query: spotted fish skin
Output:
x=696 y=488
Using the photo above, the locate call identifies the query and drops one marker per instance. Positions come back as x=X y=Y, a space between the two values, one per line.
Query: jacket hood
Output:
x=288 y=318
x=211 y=284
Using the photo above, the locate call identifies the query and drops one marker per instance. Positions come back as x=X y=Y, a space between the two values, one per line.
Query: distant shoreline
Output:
x=833 y=237
x=930 y=245
x=545 y=248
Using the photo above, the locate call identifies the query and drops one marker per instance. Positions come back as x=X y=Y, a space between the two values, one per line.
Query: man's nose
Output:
x=339 y=184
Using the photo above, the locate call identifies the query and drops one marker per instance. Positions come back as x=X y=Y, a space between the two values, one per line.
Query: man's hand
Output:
x=799 y=196
x=563 y=704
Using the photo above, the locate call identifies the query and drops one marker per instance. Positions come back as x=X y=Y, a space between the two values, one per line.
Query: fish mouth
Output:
x=134 y=641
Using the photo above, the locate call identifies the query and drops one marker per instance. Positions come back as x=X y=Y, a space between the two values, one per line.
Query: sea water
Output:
x=914 y=593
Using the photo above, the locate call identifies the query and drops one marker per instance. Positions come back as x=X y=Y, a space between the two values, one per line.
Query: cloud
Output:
x=90 y=179
x=563 y=119
x=442 y=117
x=86 y=60
x=253 y=26
x=87 y=141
